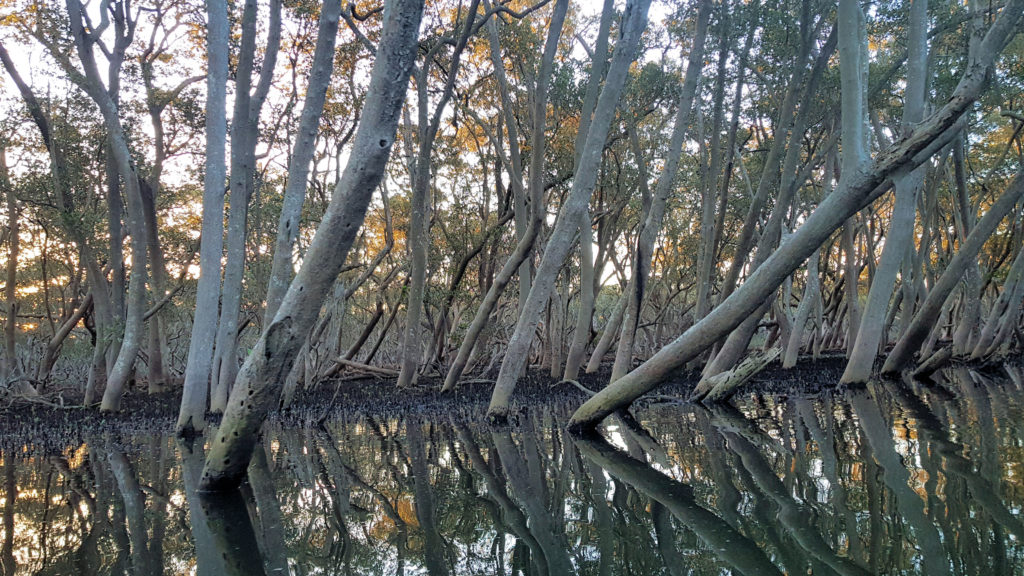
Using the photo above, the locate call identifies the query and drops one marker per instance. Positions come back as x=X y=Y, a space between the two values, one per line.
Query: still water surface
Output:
x=886 y=480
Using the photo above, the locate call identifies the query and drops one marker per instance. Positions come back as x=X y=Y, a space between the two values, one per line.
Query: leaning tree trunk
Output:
x=803 y=311
x=524 y=248
x=641 y=271
x=585 y=315
x=272 y=357
x=1004 y=310
x=191 y=417
x=588 y=286
x=419 y=221
x=118 y=142
x=10 y=288
x=244 y=136
x=926 y=317
x=735 y=346
x=559 y=243
x=855 y=192
x=302 y=155
x=901 y=225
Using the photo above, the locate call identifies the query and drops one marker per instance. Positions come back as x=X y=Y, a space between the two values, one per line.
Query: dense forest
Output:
x=244 y=201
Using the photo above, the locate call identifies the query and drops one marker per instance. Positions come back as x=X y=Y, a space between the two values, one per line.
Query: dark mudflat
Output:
x=45 y=424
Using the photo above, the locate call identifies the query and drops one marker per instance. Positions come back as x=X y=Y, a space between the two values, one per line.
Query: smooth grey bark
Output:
x=925 y=318
x=585 y=315
x=302 y=155
x=191 y=416
x=651 y=226
x=901 y=225
x=853 y=65
x=419 y=219
x=854 y=193
x=259 y=381
x=970 y=299
x=10 y=287
x=524 y=248
x=769 y=174
x=710 y=186
x=244 y=135
x=611 y=330
x=559 y=242
x=735 y=346
x=803 y=311
x=92 y=83
x=1004 y=310
x=588 y=284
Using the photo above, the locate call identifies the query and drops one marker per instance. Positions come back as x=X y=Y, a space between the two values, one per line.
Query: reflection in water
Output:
x=890 y=479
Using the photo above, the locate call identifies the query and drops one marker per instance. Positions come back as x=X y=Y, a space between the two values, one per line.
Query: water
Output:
x=887 y=480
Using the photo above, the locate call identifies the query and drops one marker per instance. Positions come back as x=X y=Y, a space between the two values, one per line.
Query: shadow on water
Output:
x=893 y=478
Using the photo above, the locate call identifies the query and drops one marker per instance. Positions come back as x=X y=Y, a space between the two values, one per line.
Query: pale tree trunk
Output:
x=588 y=285
x=191 y=418
x=651 y=226
x=926 y=317
x=769 y=175
x=244 y=135
x=901 y=225
x=709 y=188
x=559 y=243
x=584 y=319
x=419 y=220
x=803 y=311
x=136 y=306
x=524 y=248
x=155 y=372
x=1004 y=310
x=302 y=155
x=851 y=282
x=855 y=192
x=10 y=287
x=970 y=303
x=853 y=78
x=611 y=329
x=271 y=359
x=735 y=346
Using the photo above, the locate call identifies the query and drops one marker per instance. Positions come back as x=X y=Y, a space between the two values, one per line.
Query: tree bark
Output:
x=559 y=243
x=419 y=220
x=191 y=417
x=641 y=270
x=10 y=367
x=901 y=226
x=302 y=155
x=524 y=248
x=926 y=316
x=854 y=193
x=244 y=135
x=136 y=307
x=271 y=359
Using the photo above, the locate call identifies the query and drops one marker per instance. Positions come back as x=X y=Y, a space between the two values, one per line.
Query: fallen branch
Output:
x=933 y=363
x=723 y=386
x=341 y=362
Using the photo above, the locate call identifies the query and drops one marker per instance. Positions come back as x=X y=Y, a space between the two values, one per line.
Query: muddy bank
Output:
x=42 y=425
